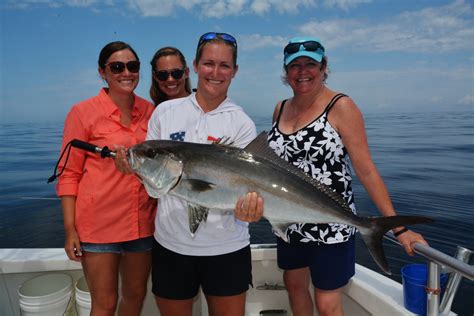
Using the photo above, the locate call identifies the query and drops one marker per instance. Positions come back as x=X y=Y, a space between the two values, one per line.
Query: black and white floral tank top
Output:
x=318 y=150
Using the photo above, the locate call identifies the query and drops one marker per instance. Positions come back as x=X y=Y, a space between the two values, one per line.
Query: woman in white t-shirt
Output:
x=216 y=257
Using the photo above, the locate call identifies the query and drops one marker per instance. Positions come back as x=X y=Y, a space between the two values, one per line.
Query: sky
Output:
x=388 y=55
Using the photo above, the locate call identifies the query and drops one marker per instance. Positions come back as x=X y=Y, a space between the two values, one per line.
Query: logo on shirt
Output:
x=212 y=139
x=178 y=136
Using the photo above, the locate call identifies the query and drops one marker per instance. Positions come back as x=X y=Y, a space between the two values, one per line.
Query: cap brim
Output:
x=313 y=55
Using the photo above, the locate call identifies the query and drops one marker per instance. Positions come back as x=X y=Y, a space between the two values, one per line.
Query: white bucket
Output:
x=83 y=297
x=46 y=295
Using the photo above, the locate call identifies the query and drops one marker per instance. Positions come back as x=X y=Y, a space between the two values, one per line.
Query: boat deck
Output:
x=368 y=293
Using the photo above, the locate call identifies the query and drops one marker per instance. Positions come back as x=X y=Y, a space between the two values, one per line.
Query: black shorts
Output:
x=331 y=266
x=177 y=276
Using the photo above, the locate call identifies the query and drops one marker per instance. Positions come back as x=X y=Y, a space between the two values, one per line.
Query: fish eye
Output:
x=150 y=153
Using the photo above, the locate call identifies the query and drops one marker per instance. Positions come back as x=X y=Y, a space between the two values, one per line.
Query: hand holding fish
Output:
x=120 y=159
x=250 y=208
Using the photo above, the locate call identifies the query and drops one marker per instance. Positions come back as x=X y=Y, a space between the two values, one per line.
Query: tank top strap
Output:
x=332 y=102
x=281 y=111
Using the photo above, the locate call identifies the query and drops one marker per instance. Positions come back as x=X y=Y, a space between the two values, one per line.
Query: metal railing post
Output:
x=433 y=290
x=464 y=255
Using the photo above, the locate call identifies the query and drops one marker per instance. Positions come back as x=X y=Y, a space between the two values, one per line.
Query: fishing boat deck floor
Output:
x=368 y=293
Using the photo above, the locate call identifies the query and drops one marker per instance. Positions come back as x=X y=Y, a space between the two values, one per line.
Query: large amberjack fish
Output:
x=215 y=176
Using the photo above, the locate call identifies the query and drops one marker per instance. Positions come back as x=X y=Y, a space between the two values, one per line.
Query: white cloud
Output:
x=222 y=8
x=344 y=4
x=205 y=8
x=25 y=4
x=260 y=7
x=435 y=29
x=161 y=7
x=286 y=6
x=257 y=41
x=219 y=8
x=78 y=3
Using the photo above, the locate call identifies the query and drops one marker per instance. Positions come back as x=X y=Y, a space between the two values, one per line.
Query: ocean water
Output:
x=426 y=160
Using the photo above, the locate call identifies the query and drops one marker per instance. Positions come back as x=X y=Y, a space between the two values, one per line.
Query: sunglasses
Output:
x=206 y=37
x=309 y=46
x=163 y=75
x=118 y=67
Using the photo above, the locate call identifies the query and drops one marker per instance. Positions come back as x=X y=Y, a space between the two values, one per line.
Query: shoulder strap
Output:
x=332 y=102
x=281 y=111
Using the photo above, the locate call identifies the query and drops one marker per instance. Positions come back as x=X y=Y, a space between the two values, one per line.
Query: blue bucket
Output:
x=415 y=278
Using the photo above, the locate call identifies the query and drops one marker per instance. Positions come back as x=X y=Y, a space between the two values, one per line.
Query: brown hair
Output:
x=111 y=48
x=156 y=94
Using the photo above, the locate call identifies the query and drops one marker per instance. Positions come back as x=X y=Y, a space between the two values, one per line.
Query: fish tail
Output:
x=372 y=233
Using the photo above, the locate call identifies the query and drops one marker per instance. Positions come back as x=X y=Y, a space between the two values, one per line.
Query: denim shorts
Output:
x=136 y=245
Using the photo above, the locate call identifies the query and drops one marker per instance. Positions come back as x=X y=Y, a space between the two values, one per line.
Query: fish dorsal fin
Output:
x=259 y=147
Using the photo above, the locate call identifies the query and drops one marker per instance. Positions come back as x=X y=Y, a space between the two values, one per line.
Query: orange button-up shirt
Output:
x=110 y=206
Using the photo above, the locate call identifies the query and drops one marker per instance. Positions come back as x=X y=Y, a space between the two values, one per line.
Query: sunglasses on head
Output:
x=309 y=46
x=213 y=35
x=118 y=67
x=163 y=75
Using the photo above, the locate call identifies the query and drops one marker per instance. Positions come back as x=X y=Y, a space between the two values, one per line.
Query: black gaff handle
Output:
x=104 y=152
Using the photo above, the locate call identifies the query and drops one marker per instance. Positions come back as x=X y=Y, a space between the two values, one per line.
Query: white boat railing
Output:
x=458 y=266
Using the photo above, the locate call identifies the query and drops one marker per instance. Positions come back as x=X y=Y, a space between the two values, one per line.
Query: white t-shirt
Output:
x=184 y=120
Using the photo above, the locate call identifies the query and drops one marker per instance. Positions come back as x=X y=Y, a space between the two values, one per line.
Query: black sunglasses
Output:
x=163 y=75
x=310 y=46
x=118 y=67
x=213 y=35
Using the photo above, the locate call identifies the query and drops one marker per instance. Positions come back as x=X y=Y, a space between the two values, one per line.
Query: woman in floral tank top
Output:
x=318 y=130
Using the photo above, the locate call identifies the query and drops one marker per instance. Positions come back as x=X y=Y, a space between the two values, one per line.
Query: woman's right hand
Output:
x=249 y=208
x=72 y=245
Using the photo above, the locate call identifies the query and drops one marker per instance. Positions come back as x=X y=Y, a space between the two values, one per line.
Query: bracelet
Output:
x=401 y=231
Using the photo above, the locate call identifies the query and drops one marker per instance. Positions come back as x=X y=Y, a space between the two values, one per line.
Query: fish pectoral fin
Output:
x=280 y=229
x=197 y=185
x=196 y=214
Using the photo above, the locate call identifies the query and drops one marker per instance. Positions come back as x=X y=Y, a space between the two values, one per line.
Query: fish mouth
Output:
x=154 y=173
x=132 y=161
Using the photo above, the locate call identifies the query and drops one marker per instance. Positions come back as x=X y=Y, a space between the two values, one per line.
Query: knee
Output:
x=136 y=294
x=105 y=303
x=327 y=310
x=328 y=305
x=294 y=285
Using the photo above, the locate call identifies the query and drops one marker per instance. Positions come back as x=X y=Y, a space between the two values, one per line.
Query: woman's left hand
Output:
x=407 y=240
x=249 y=208
x=121 y=162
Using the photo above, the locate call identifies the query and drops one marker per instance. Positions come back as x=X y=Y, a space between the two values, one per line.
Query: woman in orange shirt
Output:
x=108 y=216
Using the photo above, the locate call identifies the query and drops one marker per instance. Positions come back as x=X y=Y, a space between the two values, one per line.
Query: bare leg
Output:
x=170 y=307
x=101 y=272
x=297 y=284
x=328 y=303
x=226 y=305
x=134 y=270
